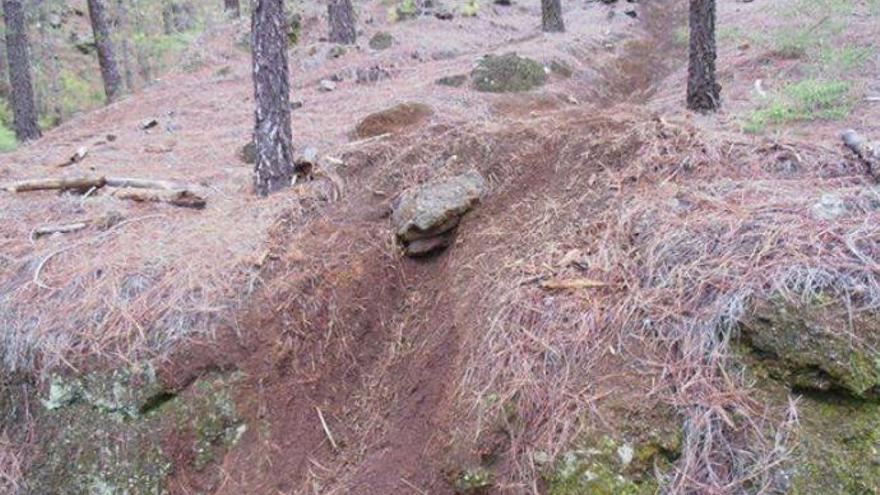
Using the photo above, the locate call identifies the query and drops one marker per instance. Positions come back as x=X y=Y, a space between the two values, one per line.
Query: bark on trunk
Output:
x=340 y=15
x=23 y=109
x=4 y=76
x=106 y=57
x=233 y=8
x=703 y=91
x=272 y=131
x=551 y=16
x=52 y=70
x=123 y=27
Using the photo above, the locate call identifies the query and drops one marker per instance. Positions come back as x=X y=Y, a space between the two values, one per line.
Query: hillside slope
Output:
x=584 y=333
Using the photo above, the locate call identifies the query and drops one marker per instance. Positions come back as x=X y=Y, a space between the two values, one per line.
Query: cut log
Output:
x=180 y=197
x=78 y=183
x=146 y=184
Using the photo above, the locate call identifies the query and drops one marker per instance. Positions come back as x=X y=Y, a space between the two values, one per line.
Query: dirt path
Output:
x=370 y=343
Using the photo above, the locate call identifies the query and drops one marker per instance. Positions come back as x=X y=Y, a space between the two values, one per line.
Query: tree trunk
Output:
x=48 y=51
x=106 y=58
x=233 y=8
x=24 y=111
x=4 y=76
x=272 y=132
x=340 y=15
x=551 y=16
x=703 y=91
x=122 y=27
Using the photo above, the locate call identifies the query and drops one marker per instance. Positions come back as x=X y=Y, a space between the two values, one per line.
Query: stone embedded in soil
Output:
x=817 y=345
x=508 y=73
x=425 y=217
x=381 y=41
x=248 y=153
x=371 y=74
x=453 y=81
x=393 y=120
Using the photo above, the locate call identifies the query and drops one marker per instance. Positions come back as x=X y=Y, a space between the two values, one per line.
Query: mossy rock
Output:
x=381 y=41
x=816 y=345
x=507 y=73
x=620 y=462
x=836 y=446
x=107 y=432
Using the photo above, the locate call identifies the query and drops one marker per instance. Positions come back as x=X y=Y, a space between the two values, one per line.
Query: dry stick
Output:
x=327 y=430
x=58 y=229
x=414 y=487
x=96 y=239
x=56 y=183
x=367 y=140
x=177 y=197
x=145 y=183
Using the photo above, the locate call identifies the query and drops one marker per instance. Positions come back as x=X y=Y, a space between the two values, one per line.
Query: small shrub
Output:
x=470 y=8
x=508 y=73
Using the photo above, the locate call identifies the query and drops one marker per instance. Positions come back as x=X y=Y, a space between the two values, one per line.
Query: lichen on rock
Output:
x=103 y=432
x=817 y=345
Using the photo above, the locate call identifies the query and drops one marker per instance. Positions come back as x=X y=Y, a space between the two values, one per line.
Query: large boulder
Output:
x=425 y=217
x=508 y=73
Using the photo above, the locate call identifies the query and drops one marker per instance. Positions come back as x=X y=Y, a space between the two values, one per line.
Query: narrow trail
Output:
x=370 y=342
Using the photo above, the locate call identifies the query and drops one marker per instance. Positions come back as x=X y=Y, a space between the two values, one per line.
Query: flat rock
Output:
x=425 y=217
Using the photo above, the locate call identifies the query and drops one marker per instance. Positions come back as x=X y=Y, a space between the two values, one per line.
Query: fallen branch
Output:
x=79 y=183
x=145 y=183
x=77 y=157
x=58 y=229
x=864 y=150
x=103 y=223
x=572 y=284
x=179 y=197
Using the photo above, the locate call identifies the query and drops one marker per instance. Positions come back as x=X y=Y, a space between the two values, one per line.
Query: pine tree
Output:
x=272 y=130
x=106 y=57
x=24 y=111
x=703 y=91
x=340 y=16
x=551 y=16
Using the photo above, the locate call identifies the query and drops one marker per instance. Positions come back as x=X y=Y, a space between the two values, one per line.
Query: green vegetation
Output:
x=825 y=61
x=806 y=100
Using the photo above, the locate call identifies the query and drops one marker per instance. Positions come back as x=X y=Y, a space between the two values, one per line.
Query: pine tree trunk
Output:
x=24 y=111
x=551 y=16
x=340 y=15
x=123 y=27
x=272 y=129
x=703 y=91
x=52 y=69
x=233 y=8
x=4 y=76
x=106 y=58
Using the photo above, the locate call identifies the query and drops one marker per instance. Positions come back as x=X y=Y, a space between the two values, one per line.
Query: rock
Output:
x=507 y=73
x=336 y=51
x=393 y=120
x=296 y=104
x=445 y=54
x=371 y=74
x=452 y=81
x=149 y=124
x=326 y=86
x=560 y=68
x=425 y=217
x=248 y=153
x=381 y=41
x=816 y=345
x=829 y=207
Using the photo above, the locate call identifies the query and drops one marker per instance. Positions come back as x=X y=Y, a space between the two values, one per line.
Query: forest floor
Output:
x=369 y=373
